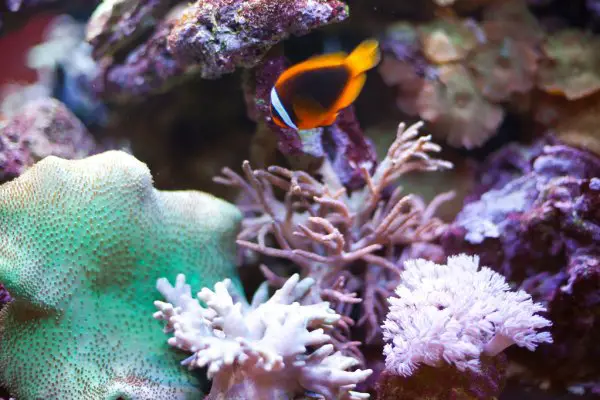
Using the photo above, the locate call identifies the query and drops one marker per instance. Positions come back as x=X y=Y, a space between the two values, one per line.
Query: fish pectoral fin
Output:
x=351 y=91
x=308 y=109
x=330 y=120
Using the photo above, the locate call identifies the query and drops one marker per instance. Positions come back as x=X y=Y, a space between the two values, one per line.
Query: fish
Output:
x=310 y=94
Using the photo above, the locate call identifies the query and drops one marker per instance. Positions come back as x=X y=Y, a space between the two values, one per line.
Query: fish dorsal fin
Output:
x=315 y=62
x=326 y=59
x=308 y=111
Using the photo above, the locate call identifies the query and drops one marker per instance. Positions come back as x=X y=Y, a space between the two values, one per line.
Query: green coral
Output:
x=82 y=244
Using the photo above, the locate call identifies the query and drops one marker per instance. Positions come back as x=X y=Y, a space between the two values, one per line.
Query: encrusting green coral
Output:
x=82 y=244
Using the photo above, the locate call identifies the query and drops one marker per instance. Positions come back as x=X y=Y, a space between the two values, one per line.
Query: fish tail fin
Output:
x=364 y=57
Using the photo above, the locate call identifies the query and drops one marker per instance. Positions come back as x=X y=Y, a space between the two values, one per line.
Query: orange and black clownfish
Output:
x=310 y=94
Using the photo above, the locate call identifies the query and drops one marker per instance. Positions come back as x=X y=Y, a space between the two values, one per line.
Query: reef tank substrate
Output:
x=299 y=199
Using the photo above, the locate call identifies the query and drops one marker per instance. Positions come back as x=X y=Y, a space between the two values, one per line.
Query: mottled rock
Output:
x=117 y=23
x=220 y=35
x=148 y=69
x=41 y=128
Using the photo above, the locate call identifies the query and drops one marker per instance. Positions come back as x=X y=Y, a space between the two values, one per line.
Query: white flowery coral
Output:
x=259 y=351
x=454 y=313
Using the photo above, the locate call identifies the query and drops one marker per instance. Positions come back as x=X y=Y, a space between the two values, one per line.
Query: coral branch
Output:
x=327 y=231
x=262 y=349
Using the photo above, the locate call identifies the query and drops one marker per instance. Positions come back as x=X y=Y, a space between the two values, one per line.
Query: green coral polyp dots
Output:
x=82 y=244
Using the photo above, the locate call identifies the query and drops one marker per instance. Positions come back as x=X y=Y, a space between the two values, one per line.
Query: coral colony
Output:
x=259 y=351
x=162 y=237
x=82 y=243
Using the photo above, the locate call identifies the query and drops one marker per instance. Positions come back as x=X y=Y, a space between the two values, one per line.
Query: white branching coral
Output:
x=259 y=351
x=454 y=313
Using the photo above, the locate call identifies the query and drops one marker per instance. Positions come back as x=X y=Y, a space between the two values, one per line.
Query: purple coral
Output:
x=4 y=296
x=220 y=35
x=350 y=152
x=259 y=351
x=42 y=127
x=536 y=222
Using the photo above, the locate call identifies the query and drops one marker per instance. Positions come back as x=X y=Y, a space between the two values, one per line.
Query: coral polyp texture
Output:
x=81 y=245
x=347 y=242
x=41 y=128
x=534 y=219
x=454 y=102
x=455 y=313
x=259 y=351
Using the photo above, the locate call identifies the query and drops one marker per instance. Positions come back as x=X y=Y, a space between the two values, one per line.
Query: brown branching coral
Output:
x=349 y=243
